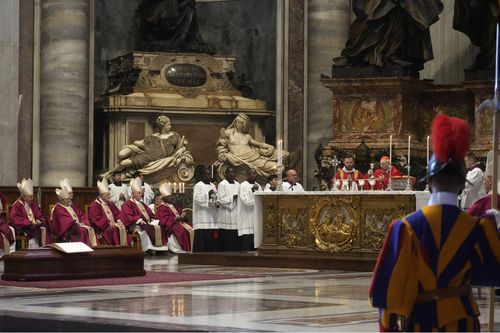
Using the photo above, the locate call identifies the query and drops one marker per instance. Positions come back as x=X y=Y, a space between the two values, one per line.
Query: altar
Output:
x=329 y=222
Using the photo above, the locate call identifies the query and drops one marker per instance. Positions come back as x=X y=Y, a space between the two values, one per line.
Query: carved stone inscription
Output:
x=186 y=75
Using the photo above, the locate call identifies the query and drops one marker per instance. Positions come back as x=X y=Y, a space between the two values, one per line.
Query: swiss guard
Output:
x=431 y=258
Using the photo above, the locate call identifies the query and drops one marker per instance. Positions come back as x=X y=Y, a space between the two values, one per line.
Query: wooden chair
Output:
x=21 y=238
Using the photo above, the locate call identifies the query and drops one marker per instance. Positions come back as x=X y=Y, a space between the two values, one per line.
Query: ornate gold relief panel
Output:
x=375 y=115
x=377 y=214
x=293 y=213
x=334 y=222
x=270 y=220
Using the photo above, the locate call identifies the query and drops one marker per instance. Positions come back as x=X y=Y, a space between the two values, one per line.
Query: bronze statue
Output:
x=170 y=26
x=477 y=19
x=387 y=32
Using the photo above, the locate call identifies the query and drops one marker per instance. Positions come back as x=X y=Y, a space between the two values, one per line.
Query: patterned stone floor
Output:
x=279 y=300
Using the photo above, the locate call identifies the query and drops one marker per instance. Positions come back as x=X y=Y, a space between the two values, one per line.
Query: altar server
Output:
x=272 y=183
x=474 y=187
x=118 y=190
x=431 y=258
x=104 y=216
x=7 y=233
x=383 y=174
x=246 y=207
x=292 y=184
x=26 y=217
x=137 y=217
x=174 y=222
x=206 y=228
x=69 y=223
x=227 y=195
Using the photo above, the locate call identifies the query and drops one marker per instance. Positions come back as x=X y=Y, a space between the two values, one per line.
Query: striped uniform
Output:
x=436 y=247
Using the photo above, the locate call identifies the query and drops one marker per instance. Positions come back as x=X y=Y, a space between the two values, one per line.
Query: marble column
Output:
x=9 y=91
x=328 y=30
x=64 y=91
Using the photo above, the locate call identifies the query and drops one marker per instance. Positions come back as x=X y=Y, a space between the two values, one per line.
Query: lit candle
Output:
x=212 y=171
x=428 y=150
x=175 y=187
x=183 y=187
x=390 y=150
x=409 y=145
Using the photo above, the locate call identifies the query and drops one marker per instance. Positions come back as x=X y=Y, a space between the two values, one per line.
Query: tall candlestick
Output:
x=428 y=150
x=390 y=150
x=280 y=152
x=409 y=145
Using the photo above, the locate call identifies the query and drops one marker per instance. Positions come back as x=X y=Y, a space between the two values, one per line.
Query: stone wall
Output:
x=9 y=91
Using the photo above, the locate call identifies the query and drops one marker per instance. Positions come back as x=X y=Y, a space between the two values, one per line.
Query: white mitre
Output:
x=103 y=186
x=165 y=190
x=62 y=193
x=136 y=184
x=26 y=186
x=65 y=183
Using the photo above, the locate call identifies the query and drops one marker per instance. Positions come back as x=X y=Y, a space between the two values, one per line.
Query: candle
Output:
x=212 y=171
x=280 y=152
x=428 y=150
x=409 y=145
x=183 y=188
x=390 y=150
x=175 y=187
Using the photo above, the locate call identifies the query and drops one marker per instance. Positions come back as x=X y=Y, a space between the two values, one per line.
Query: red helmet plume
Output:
x=450 y=138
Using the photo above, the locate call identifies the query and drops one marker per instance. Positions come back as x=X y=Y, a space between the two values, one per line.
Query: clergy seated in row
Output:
x=69 y=223
x=137 y=217
x=27 y=219
x=206 y=234
x=104 y=217
x=157 y=201
x=227 y=197
x=292 y=184
x=348 y=177
x=246 y=205
x=174 y=222
x=382 y=175
x=147 y=192
x=7 y=233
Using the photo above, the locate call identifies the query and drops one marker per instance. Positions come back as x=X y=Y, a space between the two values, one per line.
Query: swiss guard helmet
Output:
x=450 y=142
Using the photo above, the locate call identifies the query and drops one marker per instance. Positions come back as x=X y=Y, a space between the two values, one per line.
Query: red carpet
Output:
x=150 y=277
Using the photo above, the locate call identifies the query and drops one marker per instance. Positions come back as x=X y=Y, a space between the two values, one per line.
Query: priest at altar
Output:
x=104 y=216
x=69 y=223
x=137 y=217
x=351 y=174
x=382 y=175
x=174 y=223
x=26 y=217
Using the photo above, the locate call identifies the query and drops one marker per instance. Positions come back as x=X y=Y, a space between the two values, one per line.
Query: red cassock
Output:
x=5 y=231
x=131 y=213
x=24 y=223
x=480 y=206
x=102 y=222
x=355 y=176
x=168 y=216
x=379 y=172
x=69 y=224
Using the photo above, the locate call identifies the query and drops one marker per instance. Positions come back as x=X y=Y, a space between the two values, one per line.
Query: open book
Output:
x=71 y=247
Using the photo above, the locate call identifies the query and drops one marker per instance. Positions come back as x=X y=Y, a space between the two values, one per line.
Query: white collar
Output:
x=443 y=198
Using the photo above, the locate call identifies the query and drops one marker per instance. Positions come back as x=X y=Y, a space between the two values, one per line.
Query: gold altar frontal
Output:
x=328 y=223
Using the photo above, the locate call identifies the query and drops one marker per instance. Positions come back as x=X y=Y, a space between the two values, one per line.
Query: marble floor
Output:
x=277 y=300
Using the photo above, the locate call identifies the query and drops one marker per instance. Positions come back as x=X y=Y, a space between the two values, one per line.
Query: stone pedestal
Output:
x=372 y=109
x=64 y=91
x=483 y=122
x=193 y=90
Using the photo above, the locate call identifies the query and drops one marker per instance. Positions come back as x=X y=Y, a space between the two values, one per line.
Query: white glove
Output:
x=496 y=214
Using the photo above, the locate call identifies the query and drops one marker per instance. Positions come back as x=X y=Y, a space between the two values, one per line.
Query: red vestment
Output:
x=480 y=206
x=5 y=231
x=385 y=173
x=24 y=224
x=170 y=220
x=355 y=175
x=131 y=213
x=100 y=221
x=71 y=228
